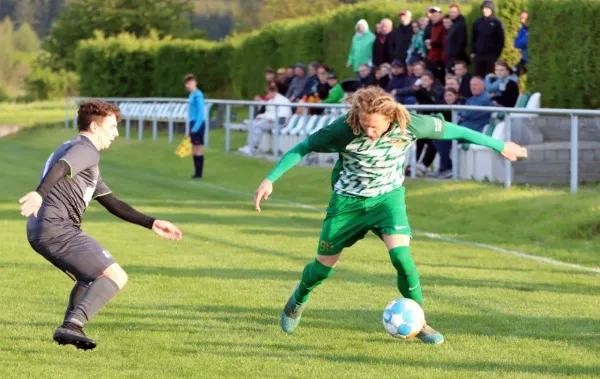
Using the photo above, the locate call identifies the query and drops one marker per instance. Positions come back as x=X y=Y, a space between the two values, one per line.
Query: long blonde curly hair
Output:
x=375 y=100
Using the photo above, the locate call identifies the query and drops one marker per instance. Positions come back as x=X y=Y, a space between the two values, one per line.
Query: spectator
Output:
x=321 y=90
x=402 y=35
x=464 y=79
x=383 y=75
x=296 y=90
x=290 y=76
x=451 y=97
x=476 y=120
x=313 y=79
x=361 y=49
x=406 y=94
x=487 y=40
x=435 y=45
x=336 y=93
x=378 y=29
x=503 y=86
x=457 y=37
x=366 y=76
x=452 y=83
x=416 y=50
x=427 y=27
x=383 y=48
x=281 y=79
x=447 y=23
x=521 y=44
x=399 y=79
x=267 y=120
x=427 y=93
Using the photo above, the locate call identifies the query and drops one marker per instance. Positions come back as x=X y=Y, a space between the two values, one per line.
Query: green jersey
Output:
x=368 y=168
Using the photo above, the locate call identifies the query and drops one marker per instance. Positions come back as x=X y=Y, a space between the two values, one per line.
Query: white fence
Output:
x=172 y=110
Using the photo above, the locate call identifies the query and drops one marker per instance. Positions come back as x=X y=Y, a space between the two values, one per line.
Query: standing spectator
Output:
x=384 y=75
x=383 y=48
x=487 y=40
x=443 y=148
x=297 y=86
x=429 y=24
x=416 y=50
x=267 y=120
x=361 y=49
x=366 y=76
x=291 y=74
x=197 y=123
x=402 y=35
x=464 y=79
x=521 y=44
x=435 y=45
x=447 y=22
x=476 y=120
x=336 y=93
x=502 y=86
x=458 y=36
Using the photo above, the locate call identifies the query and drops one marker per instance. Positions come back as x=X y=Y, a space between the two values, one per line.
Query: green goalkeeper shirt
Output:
x=368 y=168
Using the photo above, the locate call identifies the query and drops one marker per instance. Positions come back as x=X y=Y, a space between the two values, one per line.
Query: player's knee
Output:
x=329 y=260
x=117 y=275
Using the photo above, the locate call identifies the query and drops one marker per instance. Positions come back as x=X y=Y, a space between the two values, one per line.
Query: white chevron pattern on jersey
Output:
x=372 y=168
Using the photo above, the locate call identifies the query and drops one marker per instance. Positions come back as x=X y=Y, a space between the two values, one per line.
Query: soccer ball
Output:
x=403 y=318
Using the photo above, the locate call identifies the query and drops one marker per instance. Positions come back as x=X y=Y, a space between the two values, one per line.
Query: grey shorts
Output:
x=78 y=255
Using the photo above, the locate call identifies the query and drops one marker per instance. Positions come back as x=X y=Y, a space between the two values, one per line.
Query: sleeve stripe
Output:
x=102 y=194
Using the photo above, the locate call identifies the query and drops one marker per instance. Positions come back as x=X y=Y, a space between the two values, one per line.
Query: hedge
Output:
x=564 y=65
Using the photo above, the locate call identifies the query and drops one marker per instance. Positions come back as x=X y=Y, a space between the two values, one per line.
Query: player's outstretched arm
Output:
x=32 y=201
x=125 y=212
x=509 y=150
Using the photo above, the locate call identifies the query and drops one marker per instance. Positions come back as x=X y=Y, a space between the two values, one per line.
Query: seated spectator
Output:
x=321 y=89
x=503 y=86
x=296 y=90
x=290 y=75
x=384 y=75
x=429 y=91
x=417 y=50
x=476 y=120
x=399 y=81
x=464 y=79
x=443 y=147
x=452 y=83
x=282 y=79
x=267 y=120
x=367 y=78
x=313 y=79
x=406 y=95
x=336 y=93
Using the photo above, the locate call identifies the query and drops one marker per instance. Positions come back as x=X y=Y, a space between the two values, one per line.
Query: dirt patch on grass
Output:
x=7 y=130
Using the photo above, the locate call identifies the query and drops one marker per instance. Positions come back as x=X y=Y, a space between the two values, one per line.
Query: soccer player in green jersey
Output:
x=372 y=141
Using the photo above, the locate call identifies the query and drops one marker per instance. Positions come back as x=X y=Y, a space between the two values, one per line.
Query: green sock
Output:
x=408 y=276
x=314 y=274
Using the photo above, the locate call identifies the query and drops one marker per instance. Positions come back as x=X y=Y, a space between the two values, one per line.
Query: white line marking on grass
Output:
x=429 y=235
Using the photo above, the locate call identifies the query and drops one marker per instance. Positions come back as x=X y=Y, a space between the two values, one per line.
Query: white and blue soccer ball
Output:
x=403 y=318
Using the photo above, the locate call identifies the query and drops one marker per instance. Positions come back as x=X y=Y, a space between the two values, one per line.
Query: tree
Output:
x=24 y=12
x=25 y=39
x=273 y=10
x=112 y=17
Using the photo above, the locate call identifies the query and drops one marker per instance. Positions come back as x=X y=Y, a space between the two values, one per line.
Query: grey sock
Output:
x=76 y=293
x=98 y=294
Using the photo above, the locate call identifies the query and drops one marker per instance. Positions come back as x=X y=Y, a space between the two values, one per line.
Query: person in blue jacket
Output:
x=521 y=43
x=476 y=120
x=197 y=123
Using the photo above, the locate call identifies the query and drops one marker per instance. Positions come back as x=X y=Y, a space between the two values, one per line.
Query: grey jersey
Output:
x=65 y=203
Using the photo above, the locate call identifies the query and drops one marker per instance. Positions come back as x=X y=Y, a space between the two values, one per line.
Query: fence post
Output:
x=251 y=112
x=127 y=127
x=227 y=128
x=67 y=112
x=141 y=128
x=276 y=133
x=574 y=153
x=75 y=114
x=454 y=149
x=170 y=128
x=207 y=110
x=507 y=163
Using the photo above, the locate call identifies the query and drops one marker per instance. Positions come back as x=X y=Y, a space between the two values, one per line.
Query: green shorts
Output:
x=349 y=219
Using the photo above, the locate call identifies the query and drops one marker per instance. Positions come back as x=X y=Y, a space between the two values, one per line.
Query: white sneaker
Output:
x=421 y=169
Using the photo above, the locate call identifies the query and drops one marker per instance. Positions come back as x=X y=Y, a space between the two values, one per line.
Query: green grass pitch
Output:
x=209 y=305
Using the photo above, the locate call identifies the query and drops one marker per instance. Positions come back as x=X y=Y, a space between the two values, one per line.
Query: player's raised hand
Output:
x=512 y=151
x=262 y=193
x=30 y=204
x=166 y=230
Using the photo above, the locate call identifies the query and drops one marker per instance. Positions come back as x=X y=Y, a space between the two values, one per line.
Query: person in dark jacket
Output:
x=366 y=76
x=451 y=97
x=487 y=40
x=384 y=75
x=399 y=79
x=383 y=48
x=464 y=79
x=313 y=79
x=458 y=36
x=502 y=86
x=402 y=35
x=428 y=93
x=321 y=89
x=435 y=57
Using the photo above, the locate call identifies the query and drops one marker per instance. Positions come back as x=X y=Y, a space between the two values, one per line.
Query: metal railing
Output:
x=574 y=114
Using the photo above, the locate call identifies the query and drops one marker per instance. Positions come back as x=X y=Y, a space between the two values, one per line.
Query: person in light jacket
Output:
x=361 y=49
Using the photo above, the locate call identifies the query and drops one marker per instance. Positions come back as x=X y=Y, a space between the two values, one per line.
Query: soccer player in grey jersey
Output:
x=69 y=181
